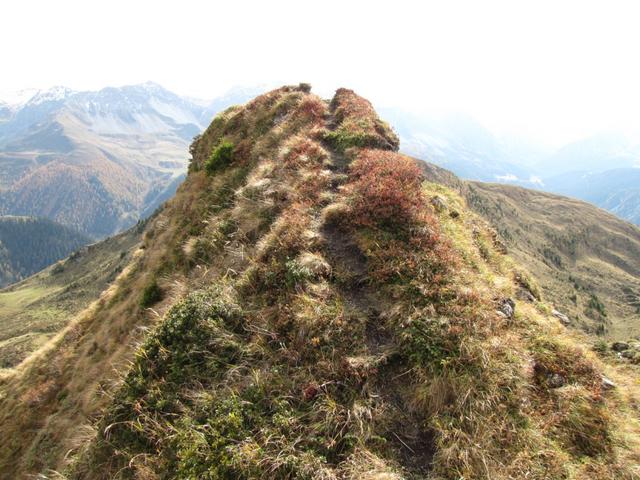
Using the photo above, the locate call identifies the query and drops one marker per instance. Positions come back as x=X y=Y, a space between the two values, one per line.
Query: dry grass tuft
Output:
x=299 y=340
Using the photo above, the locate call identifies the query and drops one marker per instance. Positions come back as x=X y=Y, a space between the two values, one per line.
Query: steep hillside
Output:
x=34 y=310
x=316 y=310
x=586 y=260
x=27 y=245
x=98 y=161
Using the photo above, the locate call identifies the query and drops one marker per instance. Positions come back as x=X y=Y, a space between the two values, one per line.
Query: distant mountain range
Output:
x=601 y=169
x=616 y=190
x=98 y=161
x=296 y=312
x=462 y=145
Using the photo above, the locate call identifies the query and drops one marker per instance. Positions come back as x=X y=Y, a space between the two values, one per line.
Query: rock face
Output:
x=619 y=346
x=630 y=354
x=439 y=203
x=561 y=316
x=525 y=295
x=507 y=307
x=607 y=384
x=555 y=380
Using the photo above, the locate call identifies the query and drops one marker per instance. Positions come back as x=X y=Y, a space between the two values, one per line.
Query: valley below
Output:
x=300 y=270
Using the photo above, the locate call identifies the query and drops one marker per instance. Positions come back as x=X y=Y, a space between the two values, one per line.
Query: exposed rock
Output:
x=439 y=203
x=628 y=354
x=619 y=346
x=561 y=316
x=555 y=380
x=607 y=384
x=507 y=307
x=525 y=295
x=525 y=284
x=500 y=246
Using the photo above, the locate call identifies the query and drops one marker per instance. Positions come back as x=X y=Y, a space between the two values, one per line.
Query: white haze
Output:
x=551 y=71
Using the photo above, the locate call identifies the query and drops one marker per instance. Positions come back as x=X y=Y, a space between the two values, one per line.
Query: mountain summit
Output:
x=315 y=309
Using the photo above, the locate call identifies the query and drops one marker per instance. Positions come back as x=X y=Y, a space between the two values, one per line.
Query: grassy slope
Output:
x=34 y=310
x=574 y=249
x=313 y=317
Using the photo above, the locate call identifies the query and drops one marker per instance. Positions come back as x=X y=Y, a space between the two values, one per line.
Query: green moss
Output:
x=218 y=440
x=202 y=445
x=182 y=343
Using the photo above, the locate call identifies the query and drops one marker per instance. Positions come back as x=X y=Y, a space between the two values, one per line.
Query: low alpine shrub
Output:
x=220 y=157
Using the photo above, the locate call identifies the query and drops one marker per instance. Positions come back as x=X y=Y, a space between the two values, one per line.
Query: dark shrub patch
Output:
x=220 y=157
x=151 y=294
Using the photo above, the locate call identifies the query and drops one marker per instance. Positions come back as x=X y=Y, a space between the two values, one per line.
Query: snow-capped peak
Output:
x=53 y=94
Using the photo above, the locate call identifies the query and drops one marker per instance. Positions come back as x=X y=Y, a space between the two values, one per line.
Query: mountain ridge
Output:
x=317 y=312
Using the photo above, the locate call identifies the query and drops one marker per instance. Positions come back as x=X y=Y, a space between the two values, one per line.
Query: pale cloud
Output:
x=508 y=177
x=535 y=180
x=549 y=70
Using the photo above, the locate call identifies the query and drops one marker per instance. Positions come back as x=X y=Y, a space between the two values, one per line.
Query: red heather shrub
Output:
x=312 y=110
x=304 y=152
x=386 y=191
x=346 y=103
x=242 y=151
x=264 y=101
x=358 y=123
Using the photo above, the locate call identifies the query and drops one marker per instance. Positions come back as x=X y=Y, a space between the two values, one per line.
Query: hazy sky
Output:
x=552 y=70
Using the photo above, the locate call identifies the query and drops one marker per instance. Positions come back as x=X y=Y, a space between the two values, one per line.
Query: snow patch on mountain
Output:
x=54 y=94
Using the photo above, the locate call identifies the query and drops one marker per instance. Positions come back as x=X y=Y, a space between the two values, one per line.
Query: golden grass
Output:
x=296 y=339
x=598 y=253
